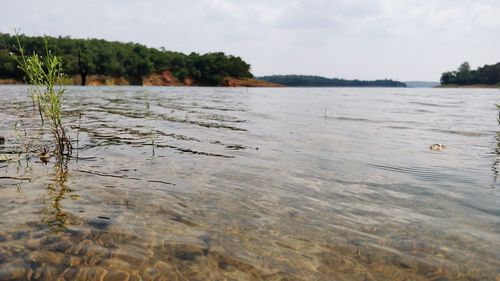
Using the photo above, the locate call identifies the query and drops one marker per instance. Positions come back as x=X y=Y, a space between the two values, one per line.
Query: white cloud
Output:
x=401 y=39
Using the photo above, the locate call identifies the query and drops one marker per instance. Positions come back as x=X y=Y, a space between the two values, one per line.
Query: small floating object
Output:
x=437 y=147
x=2 y=140
x=44 y=156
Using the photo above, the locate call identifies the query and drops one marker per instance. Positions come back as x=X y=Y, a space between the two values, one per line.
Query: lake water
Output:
x=254 y=184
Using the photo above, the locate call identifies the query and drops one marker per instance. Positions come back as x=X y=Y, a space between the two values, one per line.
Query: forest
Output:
x=84 y=57
x=486 y=75
x=318 y=81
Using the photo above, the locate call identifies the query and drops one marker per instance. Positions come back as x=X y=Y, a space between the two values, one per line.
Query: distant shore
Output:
x=294 y=80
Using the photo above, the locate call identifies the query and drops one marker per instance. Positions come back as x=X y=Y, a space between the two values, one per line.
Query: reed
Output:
x=498 y=108
x=44 y=75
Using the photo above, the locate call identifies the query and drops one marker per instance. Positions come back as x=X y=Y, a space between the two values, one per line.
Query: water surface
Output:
x=254 y=184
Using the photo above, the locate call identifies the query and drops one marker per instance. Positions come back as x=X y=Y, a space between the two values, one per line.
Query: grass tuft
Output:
x=44 y=75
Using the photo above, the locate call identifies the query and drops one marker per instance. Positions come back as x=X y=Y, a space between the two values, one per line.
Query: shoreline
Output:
x=473 y=86
x=230 y=82
x=159 y=81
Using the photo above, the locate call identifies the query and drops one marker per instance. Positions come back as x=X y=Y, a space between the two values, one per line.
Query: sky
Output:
x=351 y=39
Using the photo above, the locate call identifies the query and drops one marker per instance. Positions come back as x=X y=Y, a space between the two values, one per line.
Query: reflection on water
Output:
x=57 y=191
x=259 y=184
x=496 y=161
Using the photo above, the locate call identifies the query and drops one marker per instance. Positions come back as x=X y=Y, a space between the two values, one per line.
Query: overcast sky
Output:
x=364 y=39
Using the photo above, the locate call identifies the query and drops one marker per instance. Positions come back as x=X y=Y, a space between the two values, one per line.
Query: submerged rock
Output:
x=117 y=276
x=93 y=273
x=45 y=257
x=32 y=244
x=71 y=273
x=12 y=273
x=99 y=224
x=437 y=147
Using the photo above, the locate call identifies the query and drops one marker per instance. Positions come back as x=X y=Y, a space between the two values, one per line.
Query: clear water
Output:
x=254 y=184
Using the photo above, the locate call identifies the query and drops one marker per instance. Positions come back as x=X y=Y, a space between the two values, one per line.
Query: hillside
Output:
x=318 y=81
x=101 y=62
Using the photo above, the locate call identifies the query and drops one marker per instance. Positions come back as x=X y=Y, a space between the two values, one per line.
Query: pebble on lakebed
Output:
x=437 y=147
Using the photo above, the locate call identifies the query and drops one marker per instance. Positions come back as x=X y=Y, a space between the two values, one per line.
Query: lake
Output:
x=253 y=184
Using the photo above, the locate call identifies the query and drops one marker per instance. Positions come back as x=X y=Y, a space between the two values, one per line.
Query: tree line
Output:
x=133 y=61
x=488 y=75
x=318 y=81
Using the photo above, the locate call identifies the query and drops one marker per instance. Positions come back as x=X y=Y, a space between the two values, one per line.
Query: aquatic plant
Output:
x=44 y=75
x=22 y=137
x=152 y=137
x=498 y=108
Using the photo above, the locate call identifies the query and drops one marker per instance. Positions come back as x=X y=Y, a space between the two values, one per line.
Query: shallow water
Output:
x=254 y=184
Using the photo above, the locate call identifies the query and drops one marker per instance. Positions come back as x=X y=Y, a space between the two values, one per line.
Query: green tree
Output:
x=84 y=57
